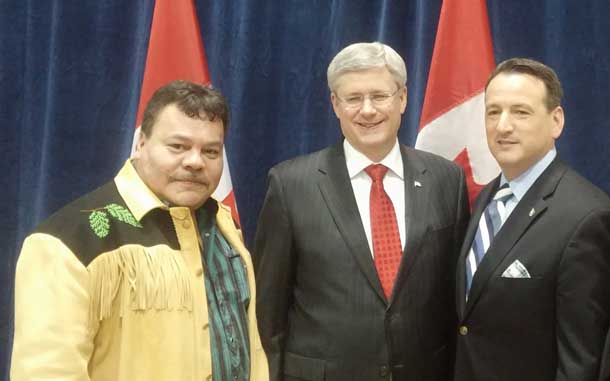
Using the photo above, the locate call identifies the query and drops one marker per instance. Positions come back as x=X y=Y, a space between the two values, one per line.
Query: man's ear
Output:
x=139 y=144
x=558 y=121
x=403 y=100
x=335 y=102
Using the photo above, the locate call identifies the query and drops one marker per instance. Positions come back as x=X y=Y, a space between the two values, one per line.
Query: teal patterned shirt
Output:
x=226 y=286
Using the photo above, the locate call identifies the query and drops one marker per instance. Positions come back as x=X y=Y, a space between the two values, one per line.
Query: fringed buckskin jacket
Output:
x=111 y=287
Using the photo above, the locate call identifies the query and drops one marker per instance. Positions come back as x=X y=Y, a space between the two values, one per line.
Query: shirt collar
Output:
x=356 y=161
x=138 y=197
x=522 y=183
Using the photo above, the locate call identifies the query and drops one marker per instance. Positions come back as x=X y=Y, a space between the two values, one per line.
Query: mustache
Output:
x=192 y=179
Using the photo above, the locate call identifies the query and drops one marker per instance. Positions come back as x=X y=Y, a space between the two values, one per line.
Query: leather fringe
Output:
x=138 y=278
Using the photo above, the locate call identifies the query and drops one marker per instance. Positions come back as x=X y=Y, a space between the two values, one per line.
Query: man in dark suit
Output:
x=533 y=280
x=357 y=244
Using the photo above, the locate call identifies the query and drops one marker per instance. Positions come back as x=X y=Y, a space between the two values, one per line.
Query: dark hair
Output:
x=193 y=99
x=538 y=70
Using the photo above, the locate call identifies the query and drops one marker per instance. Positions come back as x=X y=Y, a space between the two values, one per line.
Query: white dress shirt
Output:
x=393 y=183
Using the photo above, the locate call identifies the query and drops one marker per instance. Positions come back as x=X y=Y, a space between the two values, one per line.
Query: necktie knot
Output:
x=376 y=172
x=503 y=194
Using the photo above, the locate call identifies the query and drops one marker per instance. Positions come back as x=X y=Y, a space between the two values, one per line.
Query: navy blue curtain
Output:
x=70 y=74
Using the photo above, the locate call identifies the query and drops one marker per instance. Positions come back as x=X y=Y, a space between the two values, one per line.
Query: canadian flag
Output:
x=175 y=51
x=452 y=122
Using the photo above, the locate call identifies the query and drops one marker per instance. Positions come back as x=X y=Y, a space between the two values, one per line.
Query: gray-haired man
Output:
x=356 y=245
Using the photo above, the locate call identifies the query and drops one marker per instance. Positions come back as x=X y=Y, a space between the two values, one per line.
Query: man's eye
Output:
x=380 y=97
x=176 y=147
x=354 y=99
x=212 y=152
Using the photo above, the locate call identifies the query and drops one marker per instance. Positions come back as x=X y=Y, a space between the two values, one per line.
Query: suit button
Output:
x=384 y=371
x=463 y=330
x=186 y=224
x=199 y=273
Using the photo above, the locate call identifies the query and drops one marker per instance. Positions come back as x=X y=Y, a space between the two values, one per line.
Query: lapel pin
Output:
x=417 y=184
x=532 y=212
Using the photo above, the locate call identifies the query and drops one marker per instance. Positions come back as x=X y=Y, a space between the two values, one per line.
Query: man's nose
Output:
x=504 y=122
x=193 y=159
x=367 y=106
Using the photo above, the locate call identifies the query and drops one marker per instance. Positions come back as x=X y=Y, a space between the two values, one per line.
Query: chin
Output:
x=195 y=204
x=506 y=156
x=189 y=202
x=374 y=140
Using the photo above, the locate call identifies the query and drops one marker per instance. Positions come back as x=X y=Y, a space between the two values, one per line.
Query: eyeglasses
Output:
x=354 y=101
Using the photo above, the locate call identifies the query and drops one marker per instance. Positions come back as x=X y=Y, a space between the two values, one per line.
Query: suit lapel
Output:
x=416 y=201
x=527 y=212
x=479 y=206
x=338 y=194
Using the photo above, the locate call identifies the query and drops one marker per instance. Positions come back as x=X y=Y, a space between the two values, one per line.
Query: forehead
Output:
x=171 y=121
x=515 y=88
x=365 y=81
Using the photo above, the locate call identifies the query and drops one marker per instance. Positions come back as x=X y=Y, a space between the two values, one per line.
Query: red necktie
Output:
x=384 y=228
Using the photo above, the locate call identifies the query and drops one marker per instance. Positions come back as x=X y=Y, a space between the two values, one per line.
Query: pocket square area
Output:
x=516 y=270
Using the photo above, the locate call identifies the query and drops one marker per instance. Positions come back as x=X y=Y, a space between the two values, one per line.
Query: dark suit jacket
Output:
x=321 y=309
x=551 y=326
x=604 y=374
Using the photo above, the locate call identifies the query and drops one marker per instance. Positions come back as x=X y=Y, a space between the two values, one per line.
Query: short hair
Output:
x=364 y=56
x=193 y=99
x=536 y=69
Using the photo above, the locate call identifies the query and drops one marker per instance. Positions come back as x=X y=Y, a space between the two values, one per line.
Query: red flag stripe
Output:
x=175 y=49
x=462 y=57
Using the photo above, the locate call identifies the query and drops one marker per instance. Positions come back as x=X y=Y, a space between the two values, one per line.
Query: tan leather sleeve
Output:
x=52 y=337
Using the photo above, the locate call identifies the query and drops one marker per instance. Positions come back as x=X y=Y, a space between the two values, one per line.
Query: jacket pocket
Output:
x=305 y=368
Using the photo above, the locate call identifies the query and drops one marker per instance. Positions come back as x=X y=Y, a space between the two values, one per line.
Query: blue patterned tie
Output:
x=490 y=223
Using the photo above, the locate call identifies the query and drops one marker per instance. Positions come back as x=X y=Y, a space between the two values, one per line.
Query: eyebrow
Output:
x=517 y=105
x=178 y=136
x=186 y=138
x=521 y=105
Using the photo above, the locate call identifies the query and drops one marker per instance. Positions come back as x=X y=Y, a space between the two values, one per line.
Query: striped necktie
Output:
x=490 y=223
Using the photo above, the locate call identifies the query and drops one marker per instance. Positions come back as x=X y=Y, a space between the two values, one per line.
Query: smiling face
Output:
x=181 y=161
x=372 y=130
x=520 y=129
